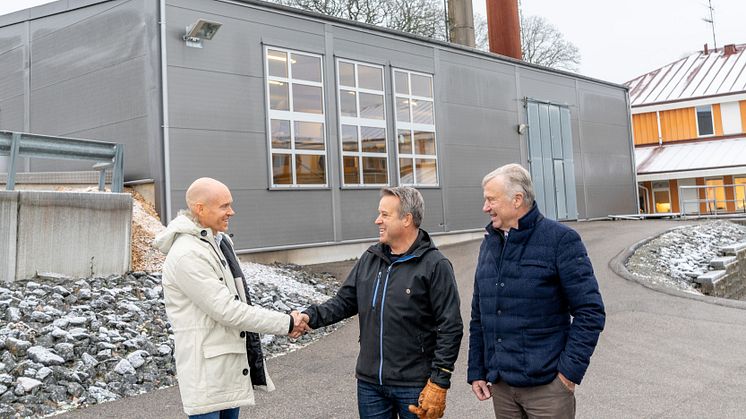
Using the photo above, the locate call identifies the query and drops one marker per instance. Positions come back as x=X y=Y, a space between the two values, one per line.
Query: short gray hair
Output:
x=410 y=202
x=517 y=180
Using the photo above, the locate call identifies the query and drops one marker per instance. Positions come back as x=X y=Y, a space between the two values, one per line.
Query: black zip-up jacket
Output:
x=410 y=322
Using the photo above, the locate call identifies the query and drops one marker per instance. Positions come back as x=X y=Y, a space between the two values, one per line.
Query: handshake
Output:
x=300 y=324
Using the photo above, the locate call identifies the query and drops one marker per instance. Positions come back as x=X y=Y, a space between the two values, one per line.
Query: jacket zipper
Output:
x=375 y=293
x=383 y=299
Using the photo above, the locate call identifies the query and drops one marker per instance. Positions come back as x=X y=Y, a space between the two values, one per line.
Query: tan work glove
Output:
x=432 y=402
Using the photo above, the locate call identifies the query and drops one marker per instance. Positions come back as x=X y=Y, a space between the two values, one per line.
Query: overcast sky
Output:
x=618 y=41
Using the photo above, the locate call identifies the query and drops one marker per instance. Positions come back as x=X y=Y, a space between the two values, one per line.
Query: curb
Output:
x=617 y=266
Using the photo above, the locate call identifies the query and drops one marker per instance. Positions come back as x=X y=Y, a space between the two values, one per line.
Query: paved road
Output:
x=661 y=356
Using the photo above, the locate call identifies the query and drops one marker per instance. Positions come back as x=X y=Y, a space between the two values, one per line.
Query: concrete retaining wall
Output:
x=8 y=230
x=75 y=234
x=728 y=277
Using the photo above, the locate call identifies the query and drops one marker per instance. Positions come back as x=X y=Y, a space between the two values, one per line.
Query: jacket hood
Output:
x=179 y=225
x=421 y=245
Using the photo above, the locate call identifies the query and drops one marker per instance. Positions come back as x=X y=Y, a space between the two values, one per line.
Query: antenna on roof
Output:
x=711 y=21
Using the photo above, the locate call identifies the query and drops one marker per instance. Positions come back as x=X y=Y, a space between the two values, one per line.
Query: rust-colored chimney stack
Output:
x=504 y=27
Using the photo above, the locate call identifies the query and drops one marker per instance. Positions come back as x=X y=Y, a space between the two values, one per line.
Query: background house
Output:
x=689 y=125
x=305 y=117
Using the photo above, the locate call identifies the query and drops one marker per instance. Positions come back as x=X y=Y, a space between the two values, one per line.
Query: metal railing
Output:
x=712 y=206
x=105 y=155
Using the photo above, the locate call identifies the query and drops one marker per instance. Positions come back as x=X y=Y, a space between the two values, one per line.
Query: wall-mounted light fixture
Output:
x=522 y=128
x=199 y=30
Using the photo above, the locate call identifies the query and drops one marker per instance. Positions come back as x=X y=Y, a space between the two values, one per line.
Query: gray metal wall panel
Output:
x=359 y=209
x=92 y=77
x=467 y=165
x=465 y=207
x=276 y=218
x=547 y=87
x=235 y=158
x=478 y=127
x=215 y=101
x=603 y=108
x=606 y=169
x=106 y=96
x=604 y=200
x=12 y=114
x=12 y=72
x=73 y=44
x=237 y=47
x=468 y=84
x=599 y=138
x=433 y=219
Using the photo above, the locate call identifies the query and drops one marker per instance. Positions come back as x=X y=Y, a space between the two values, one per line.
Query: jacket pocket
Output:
x=226 y=368
x=542 y=348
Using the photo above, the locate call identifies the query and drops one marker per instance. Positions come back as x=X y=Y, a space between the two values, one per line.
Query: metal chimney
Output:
x=461 y=22
x=504 y=28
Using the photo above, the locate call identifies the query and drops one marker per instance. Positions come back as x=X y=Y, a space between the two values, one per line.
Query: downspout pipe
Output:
x=164 y=109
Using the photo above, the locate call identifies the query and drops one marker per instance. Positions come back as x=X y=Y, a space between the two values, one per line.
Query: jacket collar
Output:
x=421 y=245
x=527 y=222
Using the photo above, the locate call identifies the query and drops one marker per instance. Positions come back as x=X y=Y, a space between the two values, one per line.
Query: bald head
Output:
x=203 y=190
x=210 y=202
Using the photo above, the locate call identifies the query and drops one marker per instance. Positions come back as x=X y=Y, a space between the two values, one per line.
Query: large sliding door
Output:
x=551 y=160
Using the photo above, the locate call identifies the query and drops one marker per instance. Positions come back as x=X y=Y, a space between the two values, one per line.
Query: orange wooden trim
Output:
x=742 y=106
x=673 y=187
x=729 y=194
x=717 y=118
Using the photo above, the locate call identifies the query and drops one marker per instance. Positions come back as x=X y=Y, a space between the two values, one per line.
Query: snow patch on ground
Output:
x=676 y=257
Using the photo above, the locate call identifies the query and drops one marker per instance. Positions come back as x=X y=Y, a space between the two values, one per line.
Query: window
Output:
x=715 y=194
x=415 y=129
x=704 y=120
x=740 y=193
x=295 y=102
x=661 y=197
x=362 y=127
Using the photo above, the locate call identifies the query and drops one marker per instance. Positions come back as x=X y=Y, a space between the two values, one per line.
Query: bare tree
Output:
x=419 y=17
x=541 y=43
x=545 y=45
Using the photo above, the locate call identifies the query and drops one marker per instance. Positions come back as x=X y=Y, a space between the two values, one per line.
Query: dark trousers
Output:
x=553 y=400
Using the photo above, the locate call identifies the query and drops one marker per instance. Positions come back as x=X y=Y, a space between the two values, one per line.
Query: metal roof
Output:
x=696 y=76
x=701 y=156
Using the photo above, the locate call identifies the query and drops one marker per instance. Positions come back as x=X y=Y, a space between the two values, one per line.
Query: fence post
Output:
x=15 y=142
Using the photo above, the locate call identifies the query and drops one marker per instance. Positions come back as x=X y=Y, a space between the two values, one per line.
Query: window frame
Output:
x=413 y=127
x=712 y=120
x=358 y=122
x=292 y=117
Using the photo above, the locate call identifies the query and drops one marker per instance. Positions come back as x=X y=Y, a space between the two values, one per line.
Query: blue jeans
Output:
x=385 y=402
x=220 y=414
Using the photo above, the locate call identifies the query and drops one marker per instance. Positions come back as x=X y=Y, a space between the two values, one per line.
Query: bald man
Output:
x=217 y=347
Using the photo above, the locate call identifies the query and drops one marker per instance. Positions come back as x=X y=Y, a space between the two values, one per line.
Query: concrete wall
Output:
x=73 y=234
x=8 y=226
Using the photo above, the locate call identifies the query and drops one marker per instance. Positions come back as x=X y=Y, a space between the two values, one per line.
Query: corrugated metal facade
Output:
x=218 y=117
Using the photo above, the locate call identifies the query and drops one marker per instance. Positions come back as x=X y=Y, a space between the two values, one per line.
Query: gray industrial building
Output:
x=305 y=117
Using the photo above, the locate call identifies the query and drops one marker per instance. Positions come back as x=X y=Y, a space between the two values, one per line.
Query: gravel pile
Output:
x=676 y=257
x=67 y=342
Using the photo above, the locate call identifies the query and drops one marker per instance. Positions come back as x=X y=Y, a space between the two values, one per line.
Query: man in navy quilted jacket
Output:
x=536 y=313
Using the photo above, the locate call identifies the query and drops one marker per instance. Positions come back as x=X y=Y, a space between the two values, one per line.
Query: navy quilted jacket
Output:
x=536 y=309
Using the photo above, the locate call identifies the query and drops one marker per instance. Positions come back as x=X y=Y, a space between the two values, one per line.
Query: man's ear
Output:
x=518 y=200
x=408 y=219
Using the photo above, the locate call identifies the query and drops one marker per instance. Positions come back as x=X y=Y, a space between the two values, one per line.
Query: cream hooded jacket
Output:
x=208 y=312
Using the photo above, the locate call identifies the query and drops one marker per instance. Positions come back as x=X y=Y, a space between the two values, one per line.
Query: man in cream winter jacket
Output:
x=209 y=310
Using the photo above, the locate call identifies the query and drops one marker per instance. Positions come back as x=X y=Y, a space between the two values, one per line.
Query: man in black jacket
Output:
x=405 y=294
